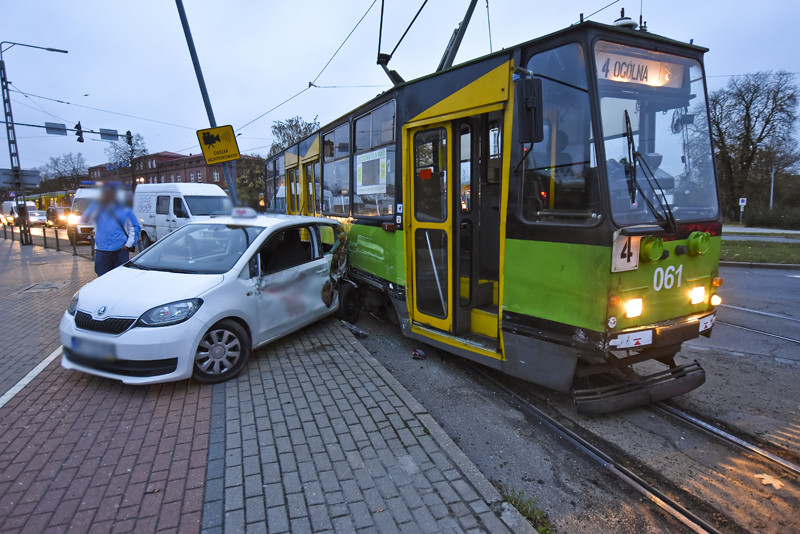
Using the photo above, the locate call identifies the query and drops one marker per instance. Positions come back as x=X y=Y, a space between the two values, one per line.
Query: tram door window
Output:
x=560 y=180
x=431 y=243
x=293 y=189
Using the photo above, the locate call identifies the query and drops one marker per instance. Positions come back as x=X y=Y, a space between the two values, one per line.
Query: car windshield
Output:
x=198 y=249
x=79 y=205
x=205 y=205
x=656 y=136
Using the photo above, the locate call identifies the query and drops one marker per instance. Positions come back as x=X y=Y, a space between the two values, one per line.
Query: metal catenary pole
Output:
x=204 y=92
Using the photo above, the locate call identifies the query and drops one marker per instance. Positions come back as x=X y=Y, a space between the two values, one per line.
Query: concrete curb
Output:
x=748 y=265
x=507 y=513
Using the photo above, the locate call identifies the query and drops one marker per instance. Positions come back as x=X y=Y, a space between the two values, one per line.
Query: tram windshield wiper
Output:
x=665 y=214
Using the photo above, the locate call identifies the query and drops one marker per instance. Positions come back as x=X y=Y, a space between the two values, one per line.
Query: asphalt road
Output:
x=760 y=314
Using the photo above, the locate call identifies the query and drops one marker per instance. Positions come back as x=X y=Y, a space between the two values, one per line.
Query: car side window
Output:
x=162 y=205
x=286 y=249
x=328 y=235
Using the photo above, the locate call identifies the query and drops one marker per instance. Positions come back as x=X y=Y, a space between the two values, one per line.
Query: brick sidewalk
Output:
x=30 y=314
x=318 y=436
x=314 y=436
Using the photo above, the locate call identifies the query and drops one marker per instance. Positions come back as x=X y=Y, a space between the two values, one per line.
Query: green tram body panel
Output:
x=573 y=284
x=376 y=251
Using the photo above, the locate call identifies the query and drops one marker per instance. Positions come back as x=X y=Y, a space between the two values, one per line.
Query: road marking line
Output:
x=775 y=315
x=27 y=379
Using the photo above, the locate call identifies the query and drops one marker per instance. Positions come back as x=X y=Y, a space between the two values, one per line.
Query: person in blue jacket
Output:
x=116 y=230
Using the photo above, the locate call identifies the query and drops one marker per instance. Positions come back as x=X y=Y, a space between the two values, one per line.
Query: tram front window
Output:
x=656 y=136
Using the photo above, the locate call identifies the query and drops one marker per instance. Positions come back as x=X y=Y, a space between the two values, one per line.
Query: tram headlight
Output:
x=716 y=300
x=633 y=308
x=698 y=294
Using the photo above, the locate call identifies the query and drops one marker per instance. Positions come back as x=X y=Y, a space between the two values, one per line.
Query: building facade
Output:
x=164 y=167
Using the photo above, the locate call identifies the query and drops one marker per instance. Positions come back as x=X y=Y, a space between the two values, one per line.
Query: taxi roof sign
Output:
x=218 y=144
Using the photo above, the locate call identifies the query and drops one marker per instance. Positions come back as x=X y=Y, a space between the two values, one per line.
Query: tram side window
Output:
x=560 y=180
x=336 y=171
x=375 y=162
x=277 y=185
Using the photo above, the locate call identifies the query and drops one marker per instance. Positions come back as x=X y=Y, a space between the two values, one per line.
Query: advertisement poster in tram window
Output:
x=371 y=172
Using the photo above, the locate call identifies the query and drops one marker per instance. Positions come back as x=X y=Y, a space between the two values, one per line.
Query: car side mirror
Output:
x=529 y=109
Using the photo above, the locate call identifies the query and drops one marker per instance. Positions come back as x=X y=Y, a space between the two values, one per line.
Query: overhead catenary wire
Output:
x=138 y=117
x=311 y=83
x=35 y=103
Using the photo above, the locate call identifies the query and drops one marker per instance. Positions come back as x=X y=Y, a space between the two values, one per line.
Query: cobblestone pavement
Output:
x=31 y=313
x=317 y=436
x=314 y=436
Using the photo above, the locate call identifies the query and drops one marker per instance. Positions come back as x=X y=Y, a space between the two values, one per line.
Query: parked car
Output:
x=37 y=218
x=58 y=216
x=163 y=208
x=9 y=214
x=197 y=302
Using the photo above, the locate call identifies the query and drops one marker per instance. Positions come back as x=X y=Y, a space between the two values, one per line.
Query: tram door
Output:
x=431 y=230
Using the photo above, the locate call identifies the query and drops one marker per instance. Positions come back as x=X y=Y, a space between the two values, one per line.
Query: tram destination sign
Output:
x=218 y=144
x=638 y=70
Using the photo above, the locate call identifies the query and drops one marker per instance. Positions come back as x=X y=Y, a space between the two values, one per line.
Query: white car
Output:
x=195 y=303
x=37 y=218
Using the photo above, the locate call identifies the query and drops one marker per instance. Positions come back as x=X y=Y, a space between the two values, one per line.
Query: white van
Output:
x=76 y=230
x=9 y=214
x=163 y=208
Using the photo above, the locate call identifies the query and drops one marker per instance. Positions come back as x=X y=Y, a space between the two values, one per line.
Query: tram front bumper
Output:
x=663 y=334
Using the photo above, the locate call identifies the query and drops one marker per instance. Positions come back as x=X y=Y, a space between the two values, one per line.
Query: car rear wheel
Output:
x=222 y=353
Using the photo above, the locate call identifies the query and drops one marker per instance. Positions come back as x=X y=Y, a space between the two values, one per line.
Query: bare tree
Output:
x=125 y=155
x=65 y=171
x=290 y=131
x=752 y=122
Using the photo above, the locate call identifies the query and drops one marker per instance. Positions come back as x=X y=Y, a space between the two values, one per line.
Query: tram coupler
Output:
x=629 y=394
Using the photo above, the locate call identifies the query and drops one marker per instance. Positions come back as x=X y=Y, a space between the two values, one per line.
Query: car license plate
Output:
x=93 y=349
x=707 y=322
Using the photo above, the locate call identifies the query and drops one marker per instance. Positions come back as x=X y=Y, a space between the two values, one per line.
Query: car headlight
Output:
x=61 y=217
x=74 y=219
x=169 y=314
x=73 y=304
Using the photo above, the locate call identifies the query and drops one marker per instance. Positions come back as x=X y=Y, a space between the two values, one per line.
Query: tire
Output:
x=217 y=358
x=144 y=242
x=349 y=302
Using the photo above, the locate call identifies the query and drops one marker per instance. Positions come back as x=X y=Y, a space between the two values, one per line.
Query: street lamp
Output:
x=13 y=151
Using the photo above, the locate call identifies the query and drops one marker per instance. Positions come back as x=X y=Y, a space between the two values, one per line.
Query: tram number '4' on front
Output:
x=625 y=253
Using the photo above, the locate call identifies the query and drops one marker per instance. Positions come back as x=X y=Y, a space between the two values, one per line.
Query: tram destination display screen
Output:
x=614 y=64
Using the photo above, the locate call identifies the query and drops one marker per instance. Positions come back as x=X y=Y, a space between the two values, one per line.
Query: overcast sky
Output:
x=131 y=58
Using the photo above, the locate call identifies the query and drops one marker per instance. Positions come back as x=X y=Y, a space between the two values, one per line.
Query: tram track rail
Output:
x=760 y=332
x=691 y=520
x=727 y=437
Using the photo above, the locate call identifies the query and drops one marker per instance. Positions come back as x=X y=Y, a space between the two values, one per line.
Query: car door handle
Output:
x=323 y=270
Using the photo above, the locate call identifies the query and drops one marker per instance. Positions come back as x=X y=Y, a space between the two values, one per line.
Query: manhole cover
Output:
x=43 y=287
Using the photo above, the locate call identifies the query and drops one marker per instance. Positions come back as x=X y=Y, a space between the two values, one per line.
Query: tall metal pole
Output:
x=772 y=188
x=204 y=92
x=455 y=41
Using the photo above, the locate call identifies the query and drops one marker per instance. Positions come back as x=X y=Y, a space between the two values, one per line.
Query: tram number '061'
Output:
x=667 y=278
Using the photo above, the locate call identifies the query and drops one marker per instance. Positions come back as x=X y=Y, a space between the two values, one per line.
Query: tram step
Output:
x=659 y=386
x=483 y=321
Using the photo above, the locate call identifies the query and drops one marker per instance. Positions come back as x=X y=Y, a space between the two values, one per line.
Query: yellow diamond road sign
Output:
x=218 y=144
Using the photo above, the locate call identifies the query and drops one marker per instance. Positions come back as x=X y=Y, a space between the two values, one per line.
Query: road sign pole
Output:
x=204 y=92
x=24 y=230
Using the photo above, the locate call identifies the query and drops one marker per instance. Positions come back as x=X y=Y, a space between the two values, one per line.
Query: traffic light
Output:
x=129 y=138
x=79 y=132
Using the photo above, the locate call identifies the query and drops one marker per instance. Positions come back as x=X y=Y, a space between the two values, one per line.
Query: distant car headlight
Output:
x=73 y=304
x=74 y=219
x=61 y=217
x=169 y=314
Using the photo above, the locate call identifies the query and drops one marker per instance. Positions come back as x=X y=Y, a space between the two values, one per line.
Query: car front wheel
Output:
x=222 y=353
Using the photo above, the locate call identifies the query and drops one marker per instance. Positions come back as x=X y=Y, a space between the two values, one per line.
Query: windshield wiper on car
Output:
x=134 y=265
x=665 y=215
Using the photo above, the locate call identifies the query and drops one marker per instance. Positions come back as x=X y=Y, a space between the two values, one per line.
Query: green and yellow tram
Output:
x=550 y=210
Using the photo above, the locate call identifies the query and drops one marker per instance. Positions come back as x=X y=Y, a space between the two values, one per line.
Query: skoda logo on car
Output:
x=101 y=310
